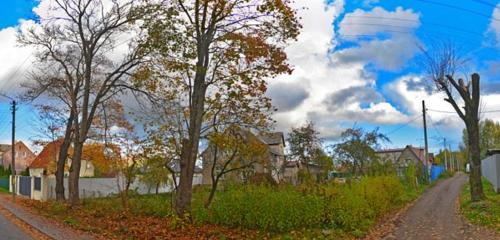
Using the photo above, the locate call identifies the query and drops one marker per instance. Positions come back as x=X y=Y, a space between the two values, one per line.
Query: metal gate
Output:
x=25 y=186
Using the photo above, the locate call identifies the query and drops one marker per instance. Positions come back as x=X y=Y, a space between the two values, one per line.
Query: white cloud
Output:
x=14 y=60
x=495 y=24
x=326 y=75
x=388 y=52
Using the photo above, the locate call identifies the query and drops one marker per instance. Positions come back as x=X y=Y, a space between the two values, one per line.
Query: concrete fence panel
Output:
x=490 y=168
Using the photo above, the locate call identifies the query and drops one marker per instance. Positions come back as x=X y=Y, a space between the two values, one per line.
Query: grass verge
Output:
x=485 y=213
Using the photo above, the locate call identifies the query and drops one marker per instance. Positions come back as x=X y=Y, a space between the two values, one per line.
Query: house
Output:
x=293 y=168
x=24 y=156
x=271 y=163
x=402 y=157
x=45 y=162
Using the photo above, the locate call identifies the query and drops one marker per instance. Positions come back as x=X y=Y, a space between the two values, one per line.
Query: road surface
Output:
x=435 y=216
x=10 y=231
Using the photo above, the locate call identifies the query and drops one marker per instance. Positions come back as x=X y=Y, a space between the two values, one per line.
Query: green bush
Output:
x=357 y=206
x=265 y=208
x=353 y=208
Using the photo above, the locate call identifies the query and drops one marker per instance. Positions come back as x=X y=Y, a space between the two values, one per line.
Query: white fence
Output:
x=490 y=168
x=96 y=187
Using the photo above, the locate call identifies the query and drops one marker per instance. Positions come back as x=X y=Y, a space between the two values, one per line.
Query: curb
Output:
x=38 y=223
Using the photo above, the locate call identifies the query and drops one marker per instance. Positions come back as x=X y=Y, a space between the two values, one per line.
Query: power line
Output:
x=418 y=21
x=440 y=111
x=486 y=3
x=460 y=8
x=405 y=125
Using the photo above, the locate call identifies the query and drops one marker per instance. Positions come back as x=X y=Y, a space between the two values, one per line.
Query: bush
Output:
x=353 y=208
x=356 y=207
x=266 y=208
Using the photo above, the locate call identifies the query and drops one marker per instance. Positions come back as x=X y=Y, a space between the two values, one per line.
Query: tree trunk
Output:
x=472 y=125
x=190 y=148
x=212 y=193
x=476 y=186
x=61 y=160
x=74 y=175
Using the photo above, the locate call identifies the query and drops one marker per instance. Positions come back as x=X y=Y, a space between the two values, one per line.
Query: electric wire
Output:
x=403 y=126
x=460 y=8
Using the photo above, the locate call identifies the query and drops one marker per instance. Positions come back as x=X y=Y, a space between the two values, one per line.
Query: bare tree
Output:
x=442 y=64
x=79 y=65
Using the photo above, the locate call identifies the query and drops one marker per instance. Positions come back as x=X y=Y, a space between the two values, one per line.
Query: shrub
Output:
x=266 y=208
x=350 y=207
x=357 y=206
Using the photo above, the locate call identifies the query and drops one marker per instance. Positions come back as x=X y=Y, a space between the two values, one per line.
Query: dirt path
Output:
x=435 y=216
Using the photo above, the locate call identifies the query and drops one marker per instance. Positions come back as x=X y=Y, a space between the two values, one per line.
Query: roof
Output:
x=4 y=147
x=491 y=152
x=49 y=154
x=419 y=153
x=273 y=138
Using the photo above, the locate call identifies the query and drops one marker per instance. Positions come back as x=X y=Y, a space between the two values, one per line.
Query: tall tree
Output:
x=304 y=144
x=442 y=64
x=78 y=64
x=222 y=46
x=356 y=149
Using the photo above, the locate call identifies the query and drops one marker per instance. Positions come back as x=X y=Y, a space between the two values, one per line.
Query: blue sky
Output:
x=356 y=63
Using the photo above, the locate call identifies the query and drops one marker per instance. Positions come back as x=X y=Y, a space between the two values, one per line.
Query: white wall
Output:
x=101 y=187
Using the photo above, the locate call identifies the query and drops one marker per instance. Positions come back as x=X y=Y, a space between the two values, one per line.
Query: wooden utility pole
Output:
x=424 y=112
x=445 y=155
x=13 y=148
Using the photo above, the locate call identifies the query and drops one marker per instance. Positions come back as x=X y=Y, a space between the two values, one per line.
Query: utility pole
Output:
x=424 y=112
x=452 y=159
x=445 y=155
x=13 y=148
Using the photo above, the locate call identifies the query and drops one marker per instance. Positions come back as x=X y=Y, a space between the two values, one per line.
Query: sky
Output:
x=356 y=63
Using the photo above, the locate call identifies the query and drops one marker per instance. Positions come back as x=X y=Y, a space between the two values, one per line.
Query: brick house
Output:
x=24 y=156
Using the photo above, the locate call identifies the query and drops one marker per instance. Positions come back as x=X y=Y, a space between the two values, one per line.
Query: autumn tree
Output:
x=356 y=149
x=79 y=64
x=207 y=47
x=442 y=64
x=232 y=151
x=305 y=144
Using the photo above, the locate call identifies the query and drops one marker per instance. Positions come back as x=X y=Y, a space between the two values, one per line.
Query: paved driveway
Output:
x=435 y=216
x=9 y=231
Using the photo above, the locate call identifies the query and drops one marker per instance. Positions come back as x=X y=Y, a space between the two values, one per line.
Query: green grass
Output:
x=286 y=212
x=486 y=212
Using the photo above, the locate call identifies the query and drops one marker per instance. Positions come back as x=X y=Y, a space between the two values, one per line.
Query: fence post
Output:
x=32 y=195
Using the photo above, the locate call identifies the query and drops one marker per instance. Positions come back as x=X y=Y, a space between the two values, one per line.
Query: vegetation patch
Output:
x=486 y=212
x=329 y=210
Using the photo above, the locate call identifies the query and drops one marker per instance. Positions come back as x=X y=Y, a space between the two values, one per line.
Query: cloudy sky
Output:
x=356 y=63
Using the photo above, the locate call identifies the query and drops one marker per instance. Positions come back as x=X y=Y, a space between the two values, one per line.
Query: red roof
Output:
x=49 y=154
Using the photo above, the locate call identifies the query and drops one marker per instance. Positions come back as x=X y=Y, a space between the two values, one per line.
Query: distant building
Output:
x=402 y=157
x=24 y=156
x=45 y=162
x=271 y=165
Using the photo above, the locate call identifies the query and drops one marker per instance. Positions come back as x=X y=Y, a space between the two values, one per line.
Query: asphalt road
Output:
x=435 y=216
x=9 y=231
